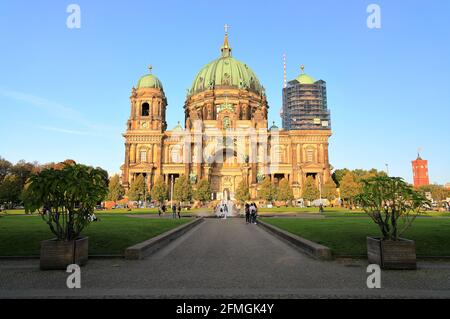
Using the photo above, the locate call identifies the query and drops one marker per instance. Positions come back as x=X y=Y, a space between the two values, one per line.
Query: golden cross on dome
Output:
x=226 y=26
x=150 y=67
x=303 y=68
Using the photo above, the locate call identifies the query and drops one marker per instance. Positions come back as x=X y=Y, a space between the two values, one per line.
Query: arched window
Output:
x=175 y=154
x=143 y=156
x=310 y=155
x=145 y=109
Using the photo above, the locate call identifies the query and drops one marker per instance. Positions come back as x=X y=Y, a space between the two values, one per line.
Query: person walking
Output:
x=247 y=213
x=225 y=210
x=179 y=211
x=174 y=211
x=252 y=213
x=255 y=214
x=159 y=210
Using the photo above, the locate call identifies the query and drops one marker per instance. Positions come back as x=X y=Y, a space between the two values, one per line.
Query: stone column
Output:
x=127 y=165
x=150 y=153
x=133 y=153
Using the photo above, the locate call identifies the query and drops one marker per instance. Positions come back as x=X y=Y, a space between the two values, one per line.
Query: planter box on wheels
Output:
x=390 y=254
x=57 y=255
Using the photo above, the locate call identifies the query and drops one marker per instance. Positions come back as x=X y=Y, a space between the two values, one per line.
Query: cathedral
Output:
x=225 y=137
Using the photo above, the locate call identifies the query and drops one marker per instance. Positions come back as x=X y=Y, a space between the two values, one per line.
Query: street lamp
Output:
x=171 y=191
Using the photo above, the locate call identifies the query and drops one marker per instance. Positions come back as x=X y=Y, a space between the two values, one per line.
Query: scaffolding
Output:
x=305 y=106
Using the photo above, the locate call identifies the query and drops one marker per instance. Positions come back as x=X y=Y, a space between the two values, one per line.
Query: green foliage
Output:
x=329 y=190
x=242 y=192
x=202 y=191
x=10 y=190
x=310 y=190
x=359 y=174
x=115 y=189
x=5 y=168
x=386 y=200
x=138 y=191
x=350 y=187
x=182 y=190
x=12 y=181
x=438 y=192
x=338 y=175
x=65 y=198
x=160 y=190
x=267 y=191
x=284 y=192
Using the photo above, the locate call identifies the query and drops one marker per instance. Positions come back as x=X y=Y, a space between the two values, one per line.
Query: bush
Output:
x=66 y=197
x=387 y=200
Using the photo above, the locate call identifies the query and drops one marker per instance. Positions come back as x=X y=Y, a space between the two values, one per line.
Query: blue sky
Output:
x=64 y=93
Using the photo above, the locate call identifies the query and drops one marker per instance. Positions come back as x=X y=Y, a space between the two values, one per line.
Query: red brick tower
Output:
x=420 y=172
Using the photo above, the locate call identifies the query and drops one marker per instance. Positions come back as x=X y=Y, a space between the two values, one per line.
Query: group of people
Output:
x=251 y=213
x=176 y=211
x=223 y=208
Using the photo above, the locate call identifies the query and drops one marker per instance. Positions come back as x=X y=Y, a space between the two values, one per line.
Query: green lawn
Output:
x=21 y=235
x=284 y=209
x=347 y=235
x=100 y=212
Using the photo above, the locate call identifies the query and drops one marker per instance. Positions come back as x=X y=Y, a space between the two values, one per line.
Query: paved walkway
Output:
x=224 y=258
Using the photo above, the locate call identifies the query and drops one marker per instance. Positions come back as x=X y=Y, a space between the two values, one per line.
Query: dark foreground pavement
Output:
x=224 y=259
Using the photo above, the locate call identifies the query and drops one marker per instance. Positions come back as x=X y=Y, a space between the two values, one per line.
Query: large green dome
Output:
x=305 y=78
x=226 y=71
x=149 y=81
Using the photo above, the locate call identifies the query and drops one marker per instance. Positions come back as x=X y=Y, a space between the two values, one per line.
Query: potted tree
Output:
x=393 y=205
x=65 y=196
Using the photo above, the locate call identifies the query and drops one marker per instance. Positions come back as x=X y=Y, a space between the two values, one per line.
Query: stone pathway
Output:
x=224 y=258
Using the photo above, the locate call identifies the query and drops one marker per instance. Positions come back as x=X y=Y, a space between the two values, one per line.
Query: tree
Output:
x=387 y=200
x=349 y=187
x=5 y=168
x=359 y=174
x=23 y=170
x=115 y=189
x=160 y=190
x=182 y=190
x=12 y=181
x=310 y=190
x=65 y=198
x=10 y=191
x=138 y=190
x=329 y=190
x=242 y=192
x=438 y=192
x=267 y=191
x=338 y=175
x=284 y=192
x=202 y=191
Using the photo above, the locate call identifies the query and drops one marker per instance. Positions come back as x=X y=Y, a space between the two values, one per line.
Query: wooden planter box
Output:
x=389 y=254
x=57 y=255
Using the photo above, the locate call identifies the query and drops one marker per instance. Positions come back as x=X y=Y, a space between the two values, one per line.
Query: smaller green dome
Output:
x=274 y=127
x=149 y=81
x=305 y=78
x=178 y=127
